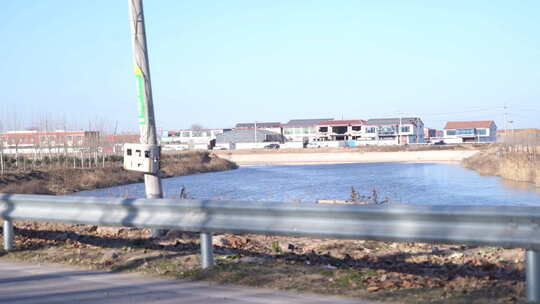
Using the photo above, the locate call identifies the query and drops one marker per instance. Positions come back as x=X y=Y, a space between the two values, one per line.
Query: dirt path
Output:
x=296 y=158
x=30 y=283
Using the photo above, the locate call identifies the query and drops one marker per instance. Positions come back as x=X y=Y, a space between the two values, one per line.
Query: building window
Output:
x=356 y=128
x=339 y=129
x=465 y=131
x=387 y=130
x=288 y=131
x=450 y=132
x=371 y=130
x=405 y=129
x=481 y=131
x=323 y=129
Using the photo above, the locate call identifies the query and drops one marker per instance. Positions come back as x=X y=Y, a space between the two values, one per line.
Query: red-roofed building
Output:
x=115 y=143
x=49 y=139
x=482 y=131
x=340 y=129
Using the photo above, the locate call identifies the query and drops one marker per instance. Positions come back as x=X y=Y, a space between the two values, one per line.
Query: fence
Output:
x=516 y=227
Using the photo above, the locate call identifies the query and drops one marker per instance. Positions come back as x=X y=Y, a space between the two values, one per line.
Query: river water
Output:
x=413 y=183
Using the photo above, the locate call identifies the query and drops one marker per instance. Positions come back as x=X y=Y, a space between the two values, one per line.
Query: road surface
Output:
x=29 y=283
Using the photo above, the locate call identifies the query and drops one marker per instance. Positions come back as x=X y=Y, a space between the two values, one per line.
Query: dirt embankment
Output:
x=515 y=163
x=322 y=156
x=68 y=180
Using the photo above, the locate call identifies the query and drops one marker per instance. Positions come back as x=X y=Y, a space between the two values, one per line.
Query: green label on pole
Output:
x=140 y=96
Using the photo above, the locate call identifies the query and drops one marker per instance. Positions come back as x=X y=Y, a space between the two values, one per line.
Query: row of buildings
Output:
x=297 y=133
x=331 y=132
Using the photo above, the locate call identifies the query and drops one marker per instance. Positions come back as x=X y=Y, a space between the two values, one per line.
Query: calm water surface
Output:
x=423 y=183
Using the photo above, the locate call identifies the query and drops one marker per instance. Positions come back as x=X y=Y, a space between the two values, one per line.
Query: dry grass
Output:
x=513 y=164
x=68 y=180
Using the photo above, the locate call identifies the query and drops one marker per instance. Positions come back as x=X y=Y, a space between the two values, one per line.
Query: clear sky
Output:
x=217 y=63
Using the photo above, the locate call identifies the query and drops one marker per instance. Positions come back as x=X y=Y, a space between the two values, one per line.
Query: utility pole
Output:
x=147 y=124
x=504 y=123
x=255 y=133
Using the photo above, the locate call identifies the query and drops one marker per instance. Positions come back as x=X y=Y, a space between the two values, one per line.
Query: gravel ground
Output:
x=369 y=270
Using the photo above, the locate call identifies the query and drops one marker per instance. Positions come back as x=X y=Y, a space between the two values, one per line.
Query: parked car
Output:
x=313 y=145
x=441 y=142
x=272 y=146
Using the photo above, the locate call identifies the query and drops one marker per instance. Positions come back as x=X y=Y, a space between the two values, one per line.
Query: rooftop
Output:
x=393 y=121
x=343 y=122
x=306 y=122
x=251 y=125
x=468 y=124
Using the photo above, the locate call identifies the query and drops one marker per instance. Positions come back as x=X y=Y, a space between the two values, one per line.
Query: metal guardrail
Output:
x=517 y=227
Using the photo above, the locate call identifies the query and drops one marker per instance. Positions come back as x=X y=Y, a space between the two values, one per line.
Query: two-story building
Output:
x=394 y=131
x=336 y=130
x=51 y=141
x=274 y=127
x=457 y=132
x=190 y=138
x=302 y=130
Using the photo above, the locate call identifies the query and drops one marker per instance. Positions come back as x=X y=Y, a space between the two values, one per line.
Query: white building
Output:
x=457 y=132
x=337 y=130
x=190 y=139
x=302 y=130
x=274 y=127
x=393 y=131
x=247 y=139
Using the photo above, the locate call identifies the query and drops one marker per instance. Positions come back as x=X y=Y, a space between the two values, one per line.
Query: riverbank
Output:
x=68 y=180
x=315 y=156
x=512 y=163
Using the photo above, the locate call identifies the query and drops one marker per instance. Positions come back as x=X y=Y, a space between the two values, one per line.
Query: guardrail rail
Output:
x=503 y=226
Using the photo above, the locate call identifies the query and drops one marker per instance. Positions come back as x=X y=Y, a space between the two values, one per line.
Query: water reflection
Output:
x=422 y=183
x=520 y=185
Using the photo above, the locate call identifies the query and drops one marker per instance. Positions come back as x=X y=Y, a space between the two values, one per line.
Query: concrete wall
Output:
x=251 y=145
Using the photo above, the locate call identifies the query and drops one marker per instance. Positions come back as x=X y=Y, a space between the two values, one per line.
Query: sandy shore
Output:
x=284 y=158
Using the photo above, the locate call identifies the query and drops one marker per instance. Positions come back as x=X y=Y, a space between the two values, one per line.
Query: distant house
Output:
x=52 y=141
x=191 y=138
x=115 y=143
x=302 y=130
x=470 y=132
x=268 y=126
x=395 y=131
x=337 y=130
x=247 y=139
x=429 y=134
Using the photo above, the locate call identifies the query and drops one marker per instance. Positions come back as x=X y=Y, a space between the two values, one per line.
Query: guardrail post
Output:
x=532 y=273
x=207 y=253
x=8 y=235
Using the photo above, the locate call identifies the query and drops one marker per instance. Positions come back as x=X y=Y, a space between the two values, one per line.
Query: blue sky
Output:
x=216 y=63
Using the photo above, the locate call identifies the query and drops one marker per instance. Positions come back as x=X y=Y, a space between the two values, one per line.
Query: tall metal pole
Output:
x=255 y=133
x=147 y=123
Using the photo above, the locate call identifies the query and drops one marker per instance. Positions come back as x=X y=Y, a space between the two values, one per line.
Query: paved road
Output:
x=27 y=283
